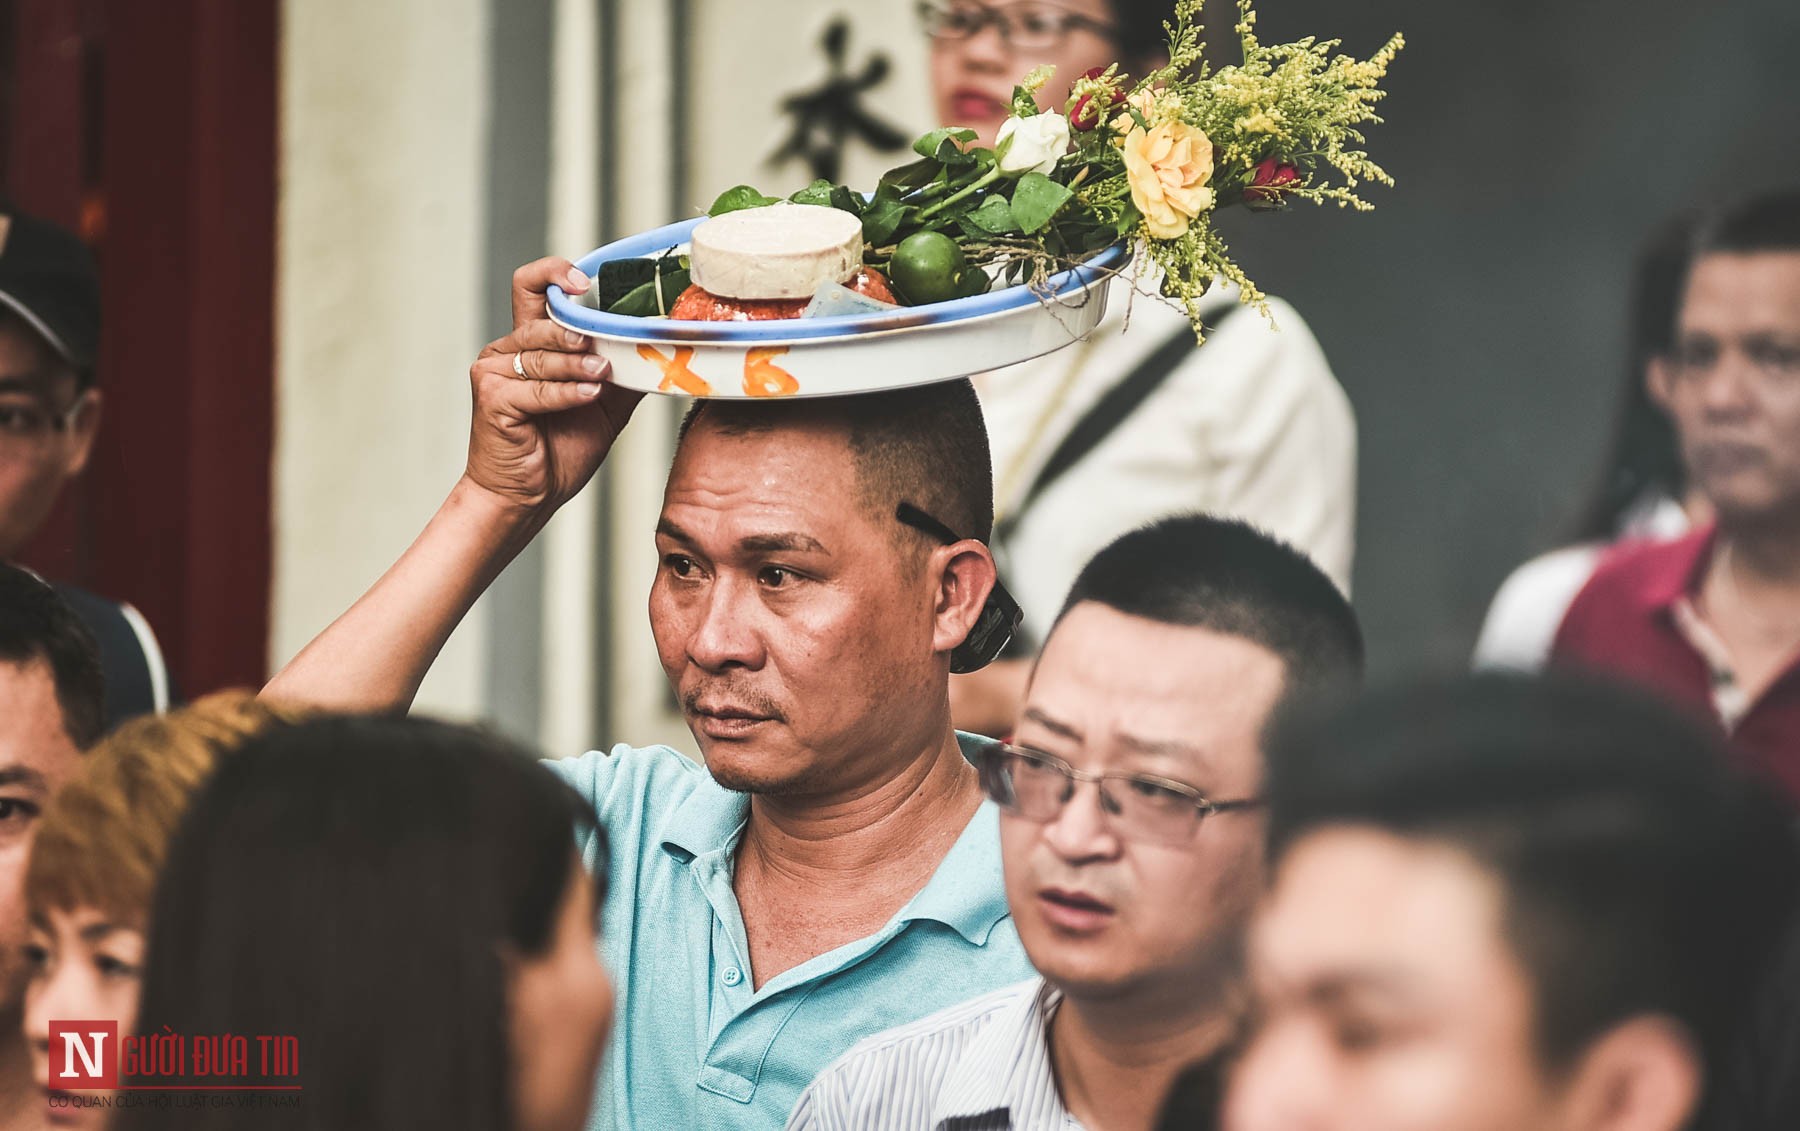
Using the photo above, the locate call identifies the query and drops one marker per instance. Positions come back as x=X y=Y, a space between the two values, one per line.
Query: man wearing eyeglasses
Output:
x=1132 y=840
x=49 y=414
x=1712 y=620
x=1134 y=423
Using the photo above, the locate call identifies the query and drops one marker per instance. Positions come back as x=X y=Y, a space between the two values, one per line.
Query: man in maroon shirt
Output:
x=1713 y=619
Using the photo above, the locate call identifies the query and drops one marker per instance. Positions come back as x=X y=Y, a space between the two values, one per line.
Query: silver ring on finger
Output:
x=519 y=365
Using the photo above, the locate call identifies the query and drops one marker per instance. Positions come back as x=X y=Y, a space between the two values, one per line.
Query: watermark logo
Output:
x=92 y=1056
x=84 y=1055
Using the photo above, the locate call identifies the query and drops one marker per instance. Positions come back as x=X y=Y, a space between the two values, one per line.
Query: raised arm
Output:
x=533 y=443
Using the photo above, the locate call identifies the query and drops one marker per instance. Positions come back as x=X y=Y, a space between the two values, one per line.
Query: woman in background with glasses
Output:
x=1251 y=425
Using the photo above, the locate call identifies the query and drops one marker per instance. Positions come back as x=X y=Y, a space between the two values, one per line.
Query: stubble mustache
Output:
x=727 y=696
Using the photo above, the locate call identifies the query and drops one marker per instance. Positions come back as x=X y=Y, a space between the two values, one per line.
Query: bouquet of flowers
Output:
x=1146 y=160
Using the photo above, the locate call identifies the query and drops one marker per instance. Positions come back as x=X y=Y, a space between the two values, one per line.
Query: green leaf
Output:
x=995 y=217
x=614 y=279
x=842 y=197
x=882 y=219
x=1096 y=237
x=641 y=301
x=740 y=196
x=819 y=193
x=1129 y=218
x=911 y=176
x=1036 y=199
x=943 y=140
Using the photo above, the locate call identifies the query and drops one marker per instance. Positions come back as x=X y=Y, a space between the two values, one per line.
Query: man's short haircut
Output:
x=1768 y=221
x=37 y=624
x=1642 y=876
x=926 y=445
x=1225 y=575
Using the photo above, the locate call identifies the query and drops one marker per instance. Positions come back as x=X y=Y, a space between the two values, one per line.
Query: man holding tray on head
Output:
x=1124 y=428
x=832 y=870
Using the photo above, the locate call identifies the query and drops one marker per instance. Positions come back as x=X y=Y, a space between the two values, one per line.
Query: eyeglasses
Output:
x=27 y=422
x=1776 y=362
x=1036 y=786
x=1026 y=27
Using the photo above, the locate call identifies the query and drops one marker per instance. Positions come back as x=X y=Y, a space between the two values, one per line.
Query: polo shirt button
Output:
x=733 y=975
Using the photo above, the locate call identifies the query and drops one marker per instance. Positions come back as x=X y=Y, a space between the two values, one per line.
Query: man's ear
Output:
x=1659 y=382
x=1644 y=1074
x=965 y=574
x=84 y=425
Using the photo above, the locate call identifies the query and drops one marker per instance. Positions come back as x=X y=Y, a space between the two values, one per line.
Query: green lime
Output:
x=927 y=267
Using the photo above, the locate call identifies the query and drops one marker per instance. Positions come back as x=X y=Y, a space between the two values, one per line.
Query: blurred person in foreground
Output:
x=1712 y=620
x=94 y=863
x=1131 y=833
x=49 y=416
x=1643 y=491
x=408 y=901
x=1506 y=905
x=52 y=706
x=1134 y=422
x=832 y=869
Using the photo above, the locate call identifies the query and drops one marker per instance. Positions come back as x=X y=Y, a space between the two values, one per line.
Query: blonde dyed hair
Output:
x=103 y=837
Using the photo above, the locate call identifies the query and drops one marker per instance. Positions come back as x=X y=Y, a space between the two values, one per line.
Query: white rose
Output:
x=1038 y=142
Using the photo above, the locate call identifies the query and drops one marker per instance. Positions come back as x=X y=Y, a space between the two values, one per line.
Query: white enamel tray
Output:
x=815 y=357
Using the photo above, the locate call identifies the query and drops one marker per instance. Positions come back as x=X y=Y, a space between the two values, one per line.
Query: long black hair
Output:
x=351 y=882
x=1644 y=460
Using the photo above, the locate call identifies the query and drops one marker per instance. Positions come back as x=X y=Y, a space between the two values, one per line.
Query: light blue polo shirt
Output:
x=693 y=1046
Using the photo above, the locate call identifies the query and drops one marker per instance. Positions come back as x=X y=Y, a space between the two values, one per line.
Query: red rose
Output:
x=1085 y=116
x=1270 y=179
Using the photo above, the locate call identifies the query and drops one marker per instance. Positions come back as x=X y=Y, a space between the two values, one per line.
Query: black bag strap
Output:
x=1113 y=408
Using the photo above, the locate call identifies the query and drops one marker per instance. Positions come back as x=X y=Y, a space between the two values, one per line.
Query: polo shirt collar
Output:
x=710 y=818
x=967 y=893
x=1006 y=1067
x=1677 y=574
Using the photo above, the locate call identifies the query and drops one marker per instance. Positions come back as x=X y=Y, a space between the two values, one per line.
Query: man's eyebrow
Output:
x=1347 y=984
x=23 y=383
x=1054 y=726
x=25 y=776
x=1164 y=748
x=775 y=542
x=782 y=542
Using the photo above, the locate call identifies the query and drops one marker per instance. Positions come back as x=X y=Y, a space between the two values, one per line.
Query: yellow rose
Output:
x=1167 y=168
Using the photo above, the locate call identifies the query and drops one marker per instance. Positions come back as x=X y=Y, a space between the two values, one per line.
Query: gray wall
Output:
x=1477 y=317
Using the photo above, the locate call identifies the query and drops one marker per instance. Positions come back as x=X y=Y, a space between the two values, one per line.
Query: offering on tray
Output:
x=990 y=256
x=762 y=263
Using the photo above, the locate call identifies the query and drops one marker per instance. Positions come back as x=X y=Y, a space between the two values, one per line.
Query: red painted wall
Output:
x=153 y=127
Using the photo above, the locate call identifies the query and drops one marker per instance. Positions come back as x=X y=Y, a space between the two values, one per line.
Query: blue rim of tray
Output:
x=578 y=316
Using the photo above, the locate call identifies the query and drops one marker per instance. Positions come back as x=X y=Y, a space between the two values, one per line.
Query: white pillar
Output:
x=378 y=302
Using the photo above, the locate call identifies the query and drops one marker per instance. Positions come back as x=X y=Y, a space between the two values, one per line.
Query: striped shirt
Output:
x=983 y=1065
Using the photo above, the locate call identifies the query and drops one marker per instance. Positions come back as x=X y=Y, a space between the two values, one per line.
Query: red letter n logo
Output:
x=84 y=1055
